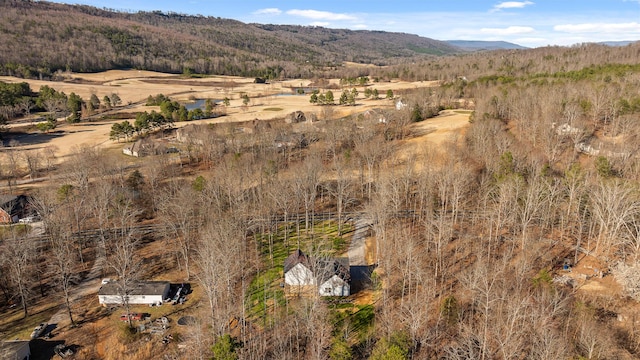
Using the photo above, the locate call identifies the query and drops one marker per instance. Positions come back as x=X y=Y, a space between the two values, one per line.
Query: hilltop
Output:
x=98 y=39
x=476 y=45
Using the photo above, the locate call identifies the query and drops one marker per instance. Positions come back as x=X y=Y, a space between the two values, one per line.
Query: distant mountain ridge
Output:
x=87 y=39
x=618 y=43
x=477 y=45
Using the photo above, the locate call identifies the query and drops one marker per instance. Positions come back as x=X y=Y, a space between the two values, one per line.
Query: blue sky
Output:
x=529 y=22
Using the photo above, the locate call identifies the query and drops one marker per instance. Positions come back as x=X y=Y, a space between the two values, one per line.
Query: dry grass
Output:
x=135 y=86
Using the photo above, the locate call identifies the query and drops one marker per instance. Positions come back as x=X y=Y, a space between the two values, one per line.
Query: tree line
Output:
x=18 y=100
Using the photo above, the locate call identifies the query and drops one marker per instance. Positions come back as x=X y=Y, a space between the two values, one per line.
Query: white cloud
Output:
x=511 y=30
x=512 y=5
x=268 y=11
x=320 y=23
x=598 y=27
x=320 y=15
x=360 y=26
x=531 y=41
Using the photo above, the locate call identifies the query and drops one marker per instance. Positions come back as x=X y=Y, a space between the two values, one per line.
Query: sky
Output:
x=528 y=23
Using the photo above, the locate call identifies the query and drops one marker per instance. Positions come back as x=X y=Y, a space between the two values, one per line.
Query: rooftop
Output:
x=8 y=349
x=138 y=288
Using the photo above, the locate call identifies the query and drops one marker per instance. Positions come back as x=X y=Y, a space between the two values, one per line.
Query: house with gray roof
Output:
x=328 y=276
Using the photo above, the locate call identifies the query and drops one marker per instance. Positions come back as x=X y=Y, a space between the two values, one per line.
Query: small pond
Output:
x=199 y=103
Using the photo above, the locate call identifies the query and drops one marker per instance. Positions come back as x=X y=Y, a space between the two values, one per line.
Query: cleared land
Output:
x=268 y=101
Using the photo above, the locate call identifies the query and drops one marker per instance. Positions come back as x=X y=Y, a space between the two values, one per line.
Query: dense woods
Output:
x=470 y=236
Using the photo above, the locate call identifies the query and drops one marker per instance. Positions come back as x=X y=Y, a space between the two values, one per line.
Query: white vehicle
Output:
x=27 y=220
x=105 y=281
x=38 y=330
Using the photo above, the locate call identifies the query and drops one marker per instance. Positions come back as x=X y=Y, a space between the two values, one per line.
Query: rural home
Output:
x=15 y=350
x=145 y=147
x=334 y=278
x=375 y=115
x=193 y=134
x=140 y=293
x=297 y=270
x=329 y=276
x=295 y=117
x=566 y=129
x=287 y=141
x=13 y=207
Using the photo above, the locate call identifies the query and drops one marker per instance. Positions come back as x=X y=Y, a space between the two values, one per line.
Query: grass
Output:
x=265 y=295
x=273 y=109
x=462 y=111
x=14 y=326
x=358 y=318
x=19 y=229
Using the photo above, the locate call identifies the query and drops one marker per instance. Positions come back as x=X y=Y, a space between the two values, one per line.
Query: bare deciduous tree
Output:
x=219 y=262
x=122 y=251
x=181 y=214
x=19 y=254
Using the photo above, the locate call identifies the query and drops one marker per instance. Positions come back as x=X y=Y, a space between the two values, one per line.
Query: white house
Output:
x=329 y=276
x=297 y=270
x=335 y=278
x=566 y=129
x=15 y=350
x=140 y=293
x=334 y=286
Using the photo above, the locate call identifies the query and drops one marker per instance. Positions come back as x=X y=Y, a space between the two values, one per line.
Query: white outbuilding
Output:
x=139 y=293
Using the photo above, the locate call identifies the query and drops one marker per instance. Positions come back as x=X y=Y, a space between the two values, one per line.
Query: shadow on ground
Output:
x=361 y=277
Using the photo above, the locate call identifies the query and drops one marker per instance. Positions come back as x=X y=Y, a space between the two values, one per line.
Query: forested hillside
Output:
x=516 y=236
x=39 y=38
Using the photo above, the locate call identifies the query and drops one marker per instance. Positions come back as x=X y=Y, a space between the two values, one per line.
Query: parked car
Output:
x=133 y=316
x=38 y=330
x=28 y=220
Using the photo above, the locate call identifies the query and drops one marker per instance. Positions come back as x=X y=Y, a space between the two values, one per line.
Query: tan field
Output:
x=268 y=101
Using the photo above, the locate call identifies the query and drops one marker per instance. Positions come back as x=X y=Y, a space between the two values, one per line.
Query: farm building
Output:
x=330 y=277
x=15 y=350
x=140 y=293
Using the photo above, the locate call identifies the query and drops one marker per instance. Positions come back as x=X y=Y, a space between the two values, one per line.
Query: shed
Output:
x=15 y=350
x=140 y=293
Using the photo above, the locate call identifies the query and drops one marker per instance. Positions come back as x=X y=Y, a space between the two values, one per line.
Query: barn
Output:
x=140 y=293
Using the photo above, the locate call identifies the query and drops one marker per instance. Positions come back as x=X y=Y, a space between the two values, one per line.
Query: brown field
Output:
x=268 y=101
